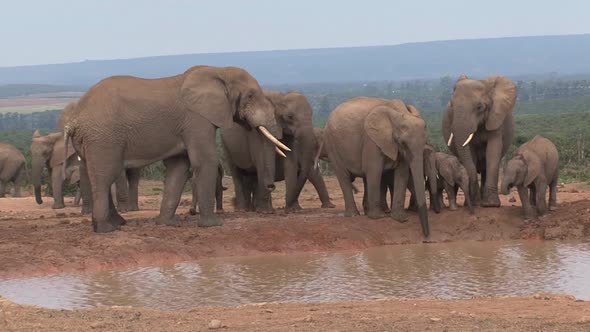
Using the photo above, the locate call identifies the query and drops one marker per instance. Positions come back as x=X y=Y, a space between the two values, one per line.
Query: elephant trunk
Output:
x=305 y=145
x=36 y=171
x=417 y=170
x=266 y=180
x=467 y=192
x=507 y=182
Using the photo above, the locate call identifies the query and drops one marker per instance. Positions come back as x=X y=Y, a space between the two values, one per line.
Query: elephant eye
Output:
x=480 y=107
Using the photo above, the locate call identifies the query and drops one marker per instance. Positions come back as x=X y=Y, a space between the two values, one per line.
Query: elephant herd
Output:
x=124 y=123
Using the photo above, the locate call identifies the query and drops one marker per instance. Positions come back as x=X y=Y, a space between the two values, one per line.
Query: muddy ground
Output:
x=536 y=313
x=36 y=240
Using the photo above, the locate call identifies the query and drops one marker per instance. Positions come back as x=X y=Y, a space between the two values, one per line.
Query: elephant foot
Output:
x=192 y=211
x=529 y=214
x=133 y=208
x=57 y=206
x=453 y=206
x=328 y=205
x=552 y=207
x=86 y=210
x=209 y=221
x=167 y=221
x=351 y=213
x=293 y=207
x=219 y=211
x=399 y=216
x=104 y=227
x=377 y=214
x=413 y=208
x=266 y=210
x=492 y=200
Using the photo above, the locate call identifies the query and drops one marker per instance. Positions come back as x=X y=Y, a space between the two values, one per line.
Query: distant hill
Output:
x=563 y=55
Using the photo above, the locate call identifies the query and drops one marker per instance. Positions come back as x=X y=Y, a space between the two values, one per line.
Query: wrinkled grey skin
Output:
x=12 y=168
x=365 y=137
x=323 y=155
x=430 y=173
x=452 y=176
x=219 y=189
x=129 y=122
x=533 y=167
x=48 y=151
x=482 y=108
x=126 y=193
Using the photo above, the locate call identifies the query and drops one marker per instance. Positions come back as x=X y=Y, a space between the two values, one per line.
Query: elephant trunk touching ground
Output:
x=417 y=170
x=36 y=171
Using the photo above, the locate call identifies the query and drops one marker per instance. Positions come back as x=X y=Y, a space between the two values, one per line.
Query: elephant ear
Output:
x=413 y=110
x=204 y=92
x=447 y=174
x=379 y=128
x=532 y=165
x=503 y=95
x=36 y=133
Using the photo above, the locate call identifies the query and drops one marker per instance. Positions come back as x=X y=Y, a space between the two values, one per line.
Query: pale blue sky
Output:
x=57 y=31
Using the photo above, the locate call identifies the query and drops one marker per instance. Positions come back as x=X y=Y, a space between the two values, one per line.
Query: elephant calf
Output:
x=533 y=167
x=451 y=176
x=12 y=168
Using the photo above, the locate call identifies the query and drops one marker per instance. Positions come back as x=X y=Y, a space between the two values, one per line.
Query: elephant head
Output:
x=400 y=133
x=294 y=116
x=476 y=107
x=230 y=94
x=515 y=174
x=44 y=151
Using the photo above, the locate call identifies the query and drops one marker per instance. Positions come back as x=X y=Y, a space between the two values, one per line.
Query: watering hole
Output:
x=446 y=270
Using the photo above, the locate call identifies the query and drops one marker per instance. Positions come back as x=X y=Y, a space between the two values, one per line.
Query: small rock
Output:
x=435 y=319
x=214 y=324
x=308 y=319
x=268 y=311
x=537 y=296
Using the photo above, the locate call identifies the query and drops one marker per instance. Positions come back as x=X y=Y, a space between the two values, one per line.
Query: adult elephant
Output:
x=130 y=122
x=12 y=168
x=294 y=117
x=48 y=151
x=126 y=185
x=478 y=127
x=365 y=137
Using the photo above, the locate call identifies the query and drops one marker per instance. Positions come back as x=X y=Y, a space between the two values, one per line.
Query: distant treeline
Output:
x=29 y=121
x=19 y=90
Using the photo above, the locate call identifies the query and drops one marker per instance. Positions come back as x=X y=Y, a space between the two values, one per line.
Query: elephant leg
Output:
x=85 y=190
x=365 y=197
x=344 y=180
x=386 y=184
x=2 y=189
x=553 y=195
x=105 y=217
x=242 y=199
x=78 y=196
x=440 y=189
x=490 y=196
x=373 y=188
x=193 y=210
x=206 y=186
x=523 y=193
x=540 y=196
x=176 y=176
x=316 y=179
x=57 y=184
x=533 y=194
x=122 y=192
x=18 y=183
x=48 y=187
x=412 y=206
x=219 y=193
x=133 y=176
x=451 y=195
x=290 y=172
x=400 y=183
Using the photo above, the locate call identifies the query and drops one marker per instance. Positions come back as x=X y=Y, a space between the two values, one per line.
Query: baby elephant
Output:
x=452 y=175
x=534 y=166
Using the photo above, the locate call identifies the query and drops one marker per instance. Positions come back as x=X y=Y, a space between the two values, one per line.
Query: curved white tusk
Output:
x=426 y=177
x=450 y=140
x=468 y=139
x=273 y=139
x=79 y=159
x=280 y=152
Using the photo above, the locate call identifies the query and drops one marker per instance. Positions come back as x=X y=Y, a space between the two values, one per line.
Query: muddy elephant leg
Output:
x=373 y=174
x=219 y=192
x=344 y=177
x=57 y=182
x=533 y=194
x=133 y=176
x=493 y=157
x=316 y=179
x=122 y=192
x=553 y=195
x=541 y=196
x=193 y=210
x=523 y=193
x=176 y=176
x=102 y=174
x=85 y=190
x=18 y=180
x=400 y=183
x=78 y=196
x=451 y=195
x=206 y=184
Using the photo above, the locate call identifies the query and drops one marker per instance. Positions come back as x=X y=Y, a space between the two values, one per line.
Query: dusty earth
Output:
x=541 y=312
x=36 y=240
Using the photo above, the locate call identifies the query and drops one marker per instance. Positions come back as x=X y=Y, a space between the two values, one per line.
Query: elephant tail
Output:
x=316 y=161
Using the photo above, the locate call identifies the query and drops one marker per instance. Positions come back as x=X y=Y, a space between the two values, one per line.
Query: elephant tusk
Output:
x=273 y=139
x=450 y=140
x=79 y=159
x=426 y=177
x=280 y=152
x=468 y=139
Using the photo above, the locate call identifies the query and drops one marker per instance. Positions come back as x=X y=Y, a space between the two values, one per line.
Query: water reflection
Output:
x=455 y=270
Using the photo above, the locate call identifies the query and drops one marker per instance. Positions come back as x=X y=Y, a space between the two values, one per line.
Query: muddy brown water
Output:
x=453 y=270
